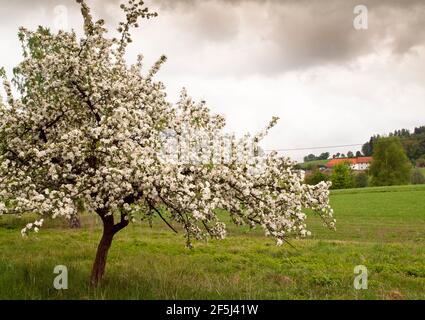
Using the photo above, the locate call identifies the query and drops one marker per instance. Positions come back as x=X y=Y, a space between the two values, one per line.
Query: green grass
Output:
x=381 y=228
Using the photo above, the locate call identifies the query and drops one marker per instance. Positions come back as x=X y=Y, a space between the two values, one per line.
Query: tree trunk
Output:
x=102 y=250
x=109 y=230
x=75 y=222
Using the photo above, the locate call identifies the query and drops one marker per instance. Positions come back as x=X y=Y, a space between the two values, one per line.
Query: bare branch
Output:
x=160 y=215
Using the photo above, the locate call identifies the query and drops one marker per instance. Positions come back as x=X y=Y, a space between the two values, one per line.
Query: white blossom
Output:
x=98 y=131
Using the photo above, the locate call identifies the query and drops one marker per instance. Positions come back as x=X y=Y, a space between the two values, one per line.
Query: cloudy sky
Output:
x=301 y=60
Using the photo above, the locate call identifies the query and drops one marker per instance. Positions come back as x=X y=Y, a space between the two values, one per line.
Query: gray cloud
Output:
x=291 y=34
x=271 y=36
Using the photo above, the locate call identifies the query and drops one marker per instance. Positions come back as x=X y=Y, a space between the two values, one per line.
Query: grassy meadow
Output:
x=381 y=228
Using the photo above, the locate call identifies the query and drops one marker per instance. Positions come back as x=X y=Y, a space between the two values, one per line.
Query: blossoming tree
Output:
x=87 y=127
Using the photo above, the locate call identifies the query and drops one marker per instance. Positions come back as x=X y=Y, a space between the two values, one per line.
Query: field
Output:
x=381 y=228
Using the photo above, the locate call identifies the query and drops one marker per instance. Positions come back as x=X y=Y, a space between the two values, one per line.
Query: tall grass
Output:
x=382 y=230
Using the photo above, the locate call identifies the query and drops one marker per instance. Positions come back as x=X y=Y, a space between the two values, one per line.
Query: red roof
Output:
x=364 y=159
x=333 y=162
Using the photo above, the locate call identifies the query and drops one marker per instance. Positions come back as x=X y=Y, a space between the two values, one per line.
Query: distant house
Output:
x=359 y=163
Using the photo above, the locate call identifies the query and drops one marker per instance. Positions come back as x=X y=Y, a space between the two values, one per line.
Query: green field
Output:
x=381 y=228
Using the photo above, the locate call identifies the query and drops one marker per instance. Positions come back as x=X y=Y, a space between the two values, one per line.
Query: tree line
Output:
x=390 y=166
x=413 y=144
x=326 y=155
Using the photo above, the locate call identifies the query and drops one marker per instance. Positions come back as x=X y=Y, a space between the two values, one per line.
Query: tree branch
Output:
x=87 y=100
x=160 y=215
x=122 y=224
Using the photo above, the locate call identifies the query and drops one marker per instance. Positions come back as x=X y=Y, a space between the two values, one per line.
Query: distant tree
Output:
x=419 y=130
x=337 y=155
x=324 y=156
x=400 y=133
x=414 y=146
x=358 y=154
x=342 y=176
x=350 y=154
x=342 y=155
x=413 y=143
x=316 y=177
x=404 y=133
x=361 y=180
x=367 y=148
x=417 y=177
x=310 y=157
x=390 y=165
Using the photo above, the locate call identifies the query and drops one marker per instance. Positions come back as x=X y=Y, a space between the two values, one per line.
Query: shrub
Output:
x=315 y=177
x=342 y=176
x=361 y=180
x=390 y=165
x=417 y=177
x=420 y=163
